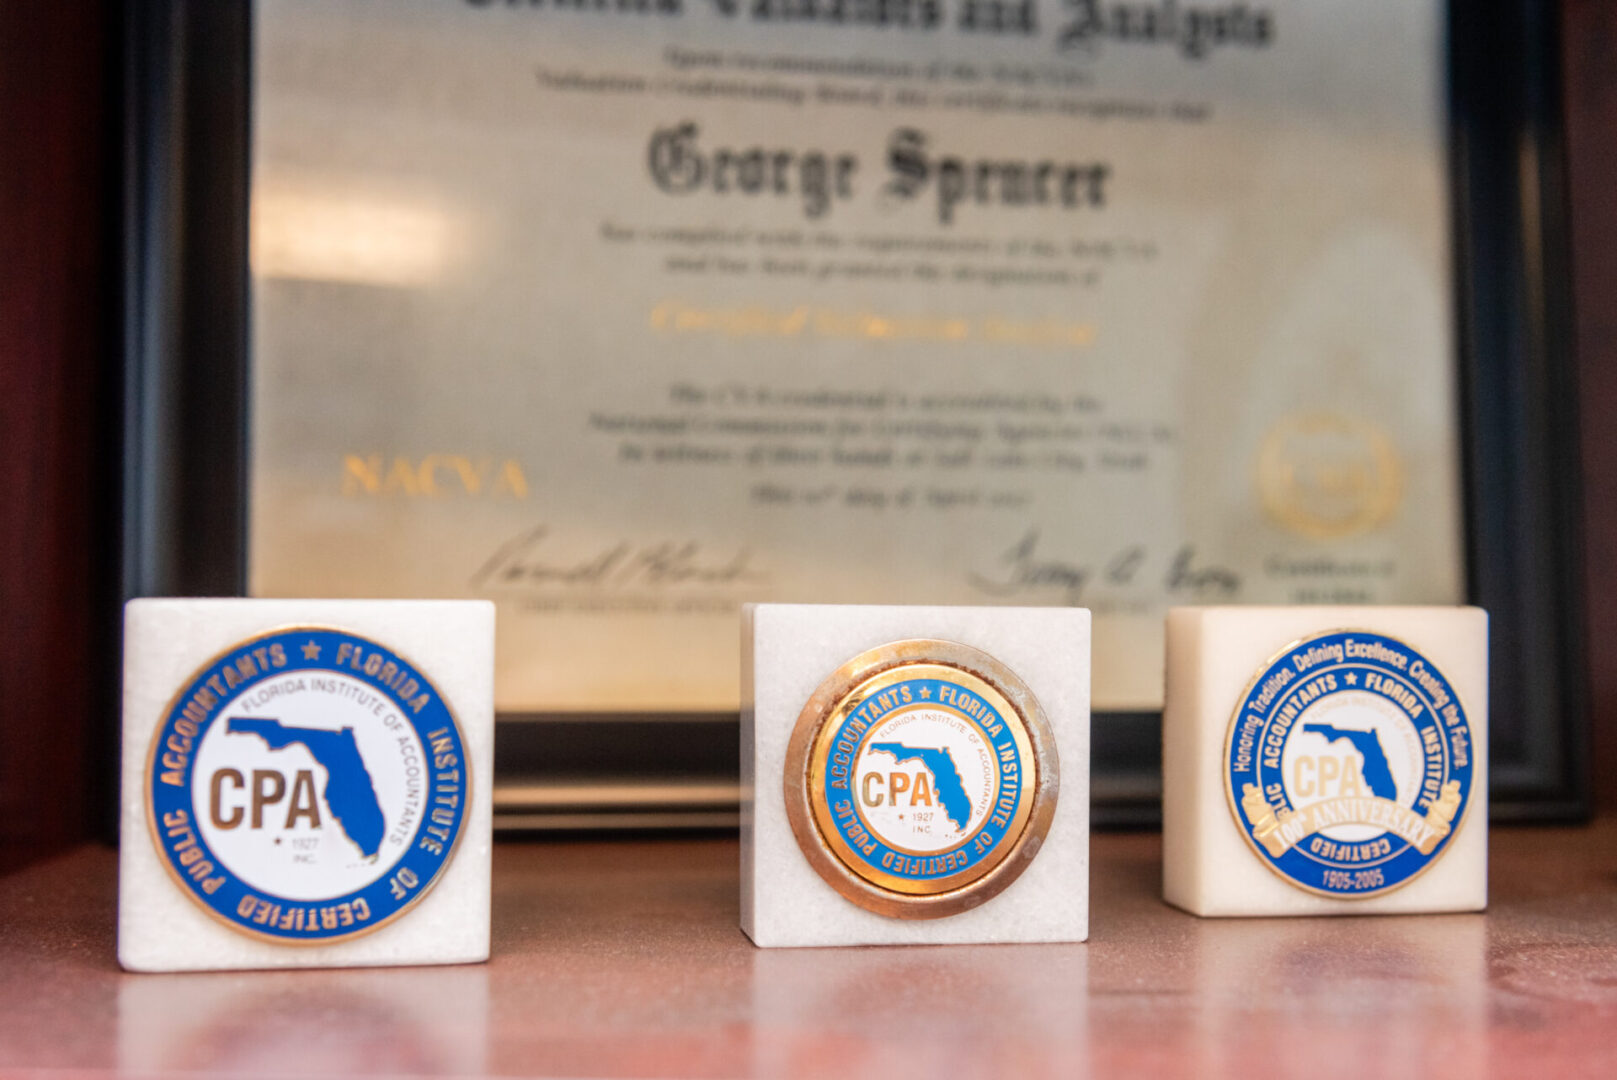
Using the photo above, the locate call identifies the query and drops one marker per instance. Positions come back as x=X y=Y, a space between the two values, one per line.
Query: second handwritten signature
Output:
x=1024 y=569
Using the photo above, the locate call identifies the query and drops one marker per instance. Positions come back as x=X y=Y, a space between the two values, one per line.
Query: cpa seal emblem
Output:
x=307 y=786
x=1348 y=764
x=921 y=778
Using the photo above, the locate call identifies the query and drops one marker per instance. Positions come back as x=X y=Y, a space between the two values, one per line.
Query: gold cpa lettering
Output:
x=917 y=784
x=433 y=476
x=268 y=788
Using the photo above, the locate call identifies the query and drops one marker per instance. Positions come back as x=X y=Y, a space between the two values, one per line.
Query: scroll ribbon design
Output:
x=1279 y=831
x=1265 y=823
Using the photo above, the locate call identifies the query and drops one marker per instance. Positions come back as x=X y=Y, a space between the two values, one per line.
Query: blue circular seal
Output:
x=307 y=786
x=921 y=778
x=1348 y=764
x=928 y=787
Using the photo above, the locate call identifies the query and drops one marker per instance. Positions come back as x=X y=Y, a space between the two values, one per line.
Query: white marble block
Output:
x=305 y=783
x=939 y=834
x=1326 y=760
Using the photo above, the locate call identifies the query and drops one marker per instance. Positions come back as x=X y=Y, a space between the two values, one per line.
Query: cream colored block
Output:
x=289 y=764
x=1211 y=857
x=788 y=650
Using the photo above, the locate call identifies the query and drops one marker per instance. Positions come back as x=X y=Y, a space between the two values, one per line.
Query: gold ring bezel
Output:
x=838 y=695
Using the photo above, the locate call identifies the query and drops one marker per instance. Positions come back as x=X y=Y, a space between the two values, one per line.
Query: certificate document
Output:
x=622 y=313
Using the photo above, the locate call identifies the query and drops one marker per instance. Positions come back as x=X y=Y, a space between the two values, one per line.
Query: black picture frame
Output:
x=185 y=349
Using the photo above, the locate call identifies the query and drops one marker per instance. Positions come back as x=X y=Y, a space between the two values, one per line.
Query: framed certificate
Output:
x=624 y=314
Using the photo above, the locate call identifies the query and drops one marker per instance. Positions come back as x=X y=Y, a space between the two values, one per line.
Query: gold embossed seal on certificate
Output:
x=921 y=778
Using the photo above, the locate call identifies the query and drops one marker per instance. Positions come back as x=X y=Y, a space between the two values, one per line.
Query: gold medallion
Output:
x=921 y=778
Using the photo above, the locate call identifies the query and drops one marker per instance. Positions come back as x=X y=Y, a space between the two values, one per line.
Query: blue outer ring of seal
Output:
x=1446 y=720
x=173 y=815
x=889 y=860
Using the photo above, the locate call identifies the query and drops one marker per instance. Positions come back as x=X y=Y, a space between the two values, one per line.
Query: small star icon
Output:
x=311 y=651
x=1352 y=679
x=926 y=691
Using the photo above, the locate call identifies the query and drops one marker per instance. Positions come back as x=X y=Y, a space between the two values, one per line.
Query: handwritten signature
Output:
x=519 y=563
x=1022 y=568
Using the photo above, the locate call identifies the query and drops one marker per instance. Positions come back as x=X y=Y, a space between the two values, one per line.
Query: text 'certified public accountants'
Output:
x=307 y=786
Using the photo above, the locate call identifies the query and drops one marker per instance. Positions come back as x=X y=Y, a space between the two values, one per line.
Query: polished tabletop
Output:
x=623 y=958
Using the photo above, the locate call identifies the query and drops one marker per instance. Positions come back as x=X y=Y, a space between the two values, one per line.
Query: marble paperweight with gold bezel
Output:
x=914 y=774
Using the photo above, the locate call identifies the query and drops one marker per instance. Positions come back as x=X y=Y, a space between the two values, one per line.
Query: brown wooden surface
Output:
x=624 y=959
x=56 y=386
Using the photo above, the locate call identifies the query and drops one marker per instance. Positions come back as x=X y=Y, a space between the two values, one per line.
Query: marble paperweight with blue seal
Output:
x=305 y=783
x=1326 y=760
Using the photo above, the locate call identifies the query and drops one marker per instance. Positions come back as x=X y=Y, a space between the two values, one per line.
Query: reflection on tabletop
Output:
x=624 y=958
